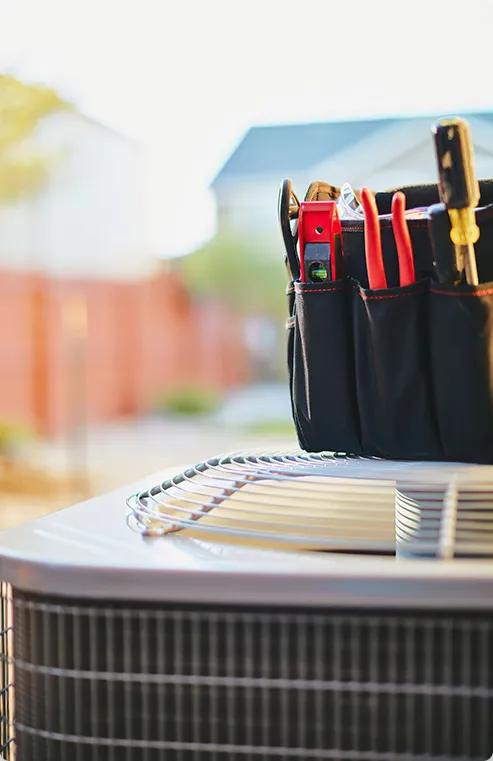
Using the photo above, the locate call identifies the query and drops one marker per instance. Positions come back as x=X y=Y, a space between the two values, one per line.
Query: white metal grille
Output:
x=326 y=502
x=154 y=683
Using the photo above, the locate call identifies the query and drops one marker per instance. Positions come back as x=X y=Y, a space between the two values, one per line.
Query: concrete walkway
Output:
x=122 y=452
x=126 y=450
x=254 y=405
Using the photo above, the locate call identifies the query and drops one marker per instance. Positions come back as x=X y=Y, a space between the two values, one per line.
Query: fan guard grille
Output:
x=330 y=502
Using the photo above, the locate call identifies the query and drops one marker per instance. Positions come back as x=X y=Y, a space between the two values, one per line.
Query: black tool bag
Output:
x=400 y=373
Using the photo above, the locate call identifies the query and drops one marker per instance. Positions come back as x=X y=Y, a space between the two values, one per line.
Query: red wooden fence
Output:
x=105 y=349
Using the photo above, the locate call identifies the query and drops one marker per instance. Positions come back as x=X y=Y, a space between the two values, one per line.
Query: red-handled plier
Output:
x=402 y=240
x=373 y=242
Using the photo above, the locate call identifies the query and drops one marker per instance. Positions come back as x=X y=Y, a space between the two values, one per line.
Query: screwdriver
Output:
x=459 y=190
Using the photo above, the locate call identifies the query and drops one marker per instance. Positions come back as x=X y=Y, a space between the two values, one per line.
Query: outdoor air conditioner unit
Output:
x=276 y=607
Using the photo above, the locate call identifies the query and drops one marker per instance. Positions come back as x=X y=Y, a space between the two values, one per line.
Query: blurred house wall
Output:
x=80 y=246
x=87 y=219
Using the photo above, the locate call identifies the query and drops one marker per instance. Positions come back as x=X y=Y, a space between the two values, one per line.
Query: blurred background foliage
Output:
x=190 y=400
x=239 y=271
x=12 y=436
x=22 y=106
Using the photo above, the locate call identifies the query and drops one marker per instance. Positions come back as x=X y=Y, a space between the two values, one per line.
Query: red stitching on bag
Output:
x=369 y=297
x=460 y=294
x=317 y=290
x=362 y=295
x=390 y=296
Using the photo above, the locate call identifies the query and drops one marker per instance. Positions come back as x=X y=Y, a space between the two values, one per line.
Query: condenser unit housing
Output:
x=256 y=606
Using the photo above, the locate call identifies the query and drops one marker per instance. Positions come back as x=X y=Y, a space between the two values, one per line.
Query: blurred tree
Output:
x=22 y=106
x=240 y=272
x=243 y=273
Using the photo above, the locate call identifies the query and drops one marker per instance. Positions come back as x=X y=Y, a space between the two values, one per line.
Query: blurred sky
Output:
x=188 y=77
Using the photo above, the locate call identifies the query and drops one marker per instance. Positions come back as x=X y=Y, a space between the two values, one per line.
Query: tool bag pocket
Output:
x=393 y=377
x=290 y=325
x=461 y=323
x=323 y=384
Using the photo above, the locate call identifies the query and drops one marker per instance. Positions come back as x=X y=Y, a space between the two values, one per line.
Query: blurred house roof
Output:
x=282 y=149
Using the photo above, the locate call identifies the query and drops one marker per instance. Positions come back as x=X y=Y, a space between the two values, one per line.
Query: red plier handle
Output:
x=373 y=242
x=402 y=239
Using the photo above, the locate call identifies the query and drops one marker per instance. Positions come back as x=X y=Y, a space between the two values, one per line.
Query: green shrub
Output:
x=189 y=401
x=273 y=428
x=13 y=436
